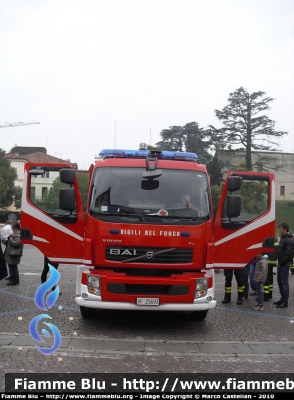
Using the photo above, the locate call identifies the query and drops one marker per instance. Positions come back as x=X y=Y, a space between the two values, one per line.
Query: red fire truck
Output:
x=145 y=237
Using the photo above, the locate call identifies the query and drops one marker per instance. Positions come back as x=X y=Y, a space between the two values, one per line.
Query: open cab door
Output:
x=52 y=217
x=245 y=218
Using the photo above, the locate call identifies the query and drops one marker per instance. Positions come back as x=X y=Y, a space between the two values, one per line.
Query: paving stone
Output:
x=272 y=348
x=171 y=347
x=29 y=341
x=112 y=345
x=6 y=340
x=225 y=348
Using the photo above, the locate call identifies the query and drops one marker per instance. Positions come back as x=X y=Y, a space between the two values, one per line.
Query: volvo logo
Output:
x=149 y=254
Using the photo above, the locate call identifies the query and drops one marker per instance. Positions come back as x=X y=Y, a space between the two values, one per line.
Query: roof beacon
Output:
x=161 y=155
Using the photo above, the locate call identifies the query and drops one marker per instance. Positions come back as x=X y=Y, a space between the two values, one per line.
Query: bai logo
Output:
x=45 y=303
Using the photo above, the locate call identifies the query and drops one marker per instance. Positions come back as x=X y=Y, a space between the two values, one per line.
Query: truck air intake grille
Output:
x=149 y=255
x=171 y=290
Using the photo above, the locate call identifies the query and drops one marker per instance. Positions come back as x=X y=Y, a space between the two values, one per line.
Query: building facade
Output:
x=279 y=163
x=42 y=184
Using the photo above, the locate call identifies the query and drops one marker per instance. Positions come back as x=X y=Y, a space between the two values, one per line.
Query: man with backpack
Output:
x=285 y=258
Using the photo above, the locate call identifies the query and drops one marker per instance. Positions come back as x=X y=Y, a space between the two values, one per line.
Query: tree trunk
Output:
x=249 y=139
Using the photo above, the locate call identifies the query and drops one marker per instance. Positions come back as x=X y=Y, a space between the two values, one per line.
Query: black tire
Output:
x=87 y=312
x=199 y=315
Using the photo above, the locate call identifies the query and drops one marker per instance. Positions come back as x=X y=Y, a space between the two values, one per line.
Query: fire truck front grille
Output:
x=172 y=290
x=149 y=255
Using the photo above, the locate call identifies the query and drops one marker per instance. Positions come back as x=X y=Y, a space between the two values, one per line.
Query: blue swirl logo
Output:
x=45 y=303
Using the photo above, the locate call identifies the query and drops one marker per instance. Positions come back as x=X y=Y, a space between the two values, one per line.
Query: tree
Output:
x=50 y=201
x=17 y=197
x=7 y=177
x=216 y=192
x=245 y=124
x=253 y=195
x=83 y=180
x=189 y=138
x=214 y=168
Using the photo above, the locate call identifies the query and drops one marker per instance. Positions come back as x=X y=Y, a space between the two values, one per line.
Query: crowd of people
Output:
x=259 y=273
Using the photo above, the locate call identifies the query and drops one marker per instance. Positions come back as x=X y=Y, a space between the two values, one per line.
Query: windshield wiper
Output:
x=182 y=218
x=117 y=214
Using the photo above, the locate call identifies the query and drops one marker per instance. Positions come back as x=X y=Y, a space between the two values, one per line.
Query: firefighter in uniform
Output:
x=272 y=262
x=228 y=285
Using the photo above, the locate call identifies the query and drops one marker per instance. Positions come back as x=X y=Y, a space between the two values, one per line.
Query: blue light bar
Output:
x=164 y=155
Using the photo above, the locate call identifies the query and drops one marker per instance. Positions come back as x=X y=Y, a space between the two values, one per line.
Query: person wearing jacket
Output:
x=260 y=275
x=13 y=260
x=272 y=262
x=285 y=257
x=5 y=232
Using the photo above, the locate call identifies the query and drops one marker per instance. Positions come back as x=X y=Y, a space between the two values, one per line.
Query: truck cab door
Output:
x=52 y=210
x=245 y=217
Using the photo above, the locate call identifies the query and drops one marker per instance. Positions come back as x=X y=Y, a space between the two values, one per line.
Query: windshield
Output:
x=176 y=193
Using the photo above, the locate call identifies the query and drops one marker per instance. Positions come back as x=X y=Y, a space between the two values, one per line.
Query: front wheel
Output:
x=199 y=315
x=87 y=312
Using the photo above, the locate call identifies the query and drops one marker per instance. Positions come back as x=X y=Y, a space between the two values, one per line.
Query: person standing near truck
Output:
x=272 y=262
x=260 y=276
x=4 y=234
x=228 y=285
x=285 y=259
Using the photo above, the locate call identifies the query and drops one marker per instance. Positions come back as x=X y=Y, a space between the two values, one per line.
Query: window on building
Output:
x=282 y=190
x=44 y=191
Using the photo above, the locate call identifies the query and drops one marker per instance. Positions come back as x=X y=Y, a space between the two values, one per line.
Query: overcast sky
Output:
x=77 y=66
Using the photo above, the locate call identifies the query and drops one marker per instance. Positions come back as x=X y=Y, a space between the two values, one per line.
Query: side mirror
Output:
x=233 y=206
x=152 y=174
x=234 y=183
x=36 y=171
x=67 y=175
x=67 y=199
x=149 y=185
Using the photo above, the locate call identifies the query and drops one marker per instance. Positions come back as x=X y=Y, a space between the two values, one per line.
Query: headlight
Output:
x=94 y=284
x=201 y=287
x=94 y=281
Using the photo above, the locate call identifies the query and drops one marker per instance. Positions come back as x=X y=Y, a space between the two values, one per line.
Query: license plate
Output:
x=143 y=301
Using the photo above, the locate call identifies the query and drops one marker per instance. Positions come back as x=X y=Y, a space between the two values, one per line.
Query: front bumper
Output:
x=93 y=301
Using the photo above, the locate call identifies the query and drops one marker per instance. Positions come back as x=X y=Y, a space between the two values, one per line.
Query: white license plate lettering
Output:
x=147 y=301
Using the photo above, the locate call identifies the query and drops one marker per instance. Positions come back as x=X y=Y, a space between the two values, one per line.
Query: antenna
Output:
x=150 y=137
x=114 y=135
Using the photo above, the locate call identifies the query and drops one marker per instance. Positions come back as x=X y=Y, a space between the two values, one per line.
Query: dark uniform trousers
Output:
x=228 y=284
x=46 y=270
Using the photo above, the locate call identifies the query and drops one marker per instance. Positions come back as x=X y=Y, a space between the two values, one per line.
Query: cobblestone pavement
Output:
x=231 y=339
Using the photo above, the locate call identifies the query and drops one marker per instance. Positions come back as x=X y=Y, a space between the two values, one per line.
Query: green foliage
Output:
x=245 y=124
x=214 y=168
x=187 y=138
x=284 y=212
x=253 y=194
x=7 y=178
x=216 y=192
x=50 y=201
x=17 y=197
x=27 y=150
x=83 y=180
